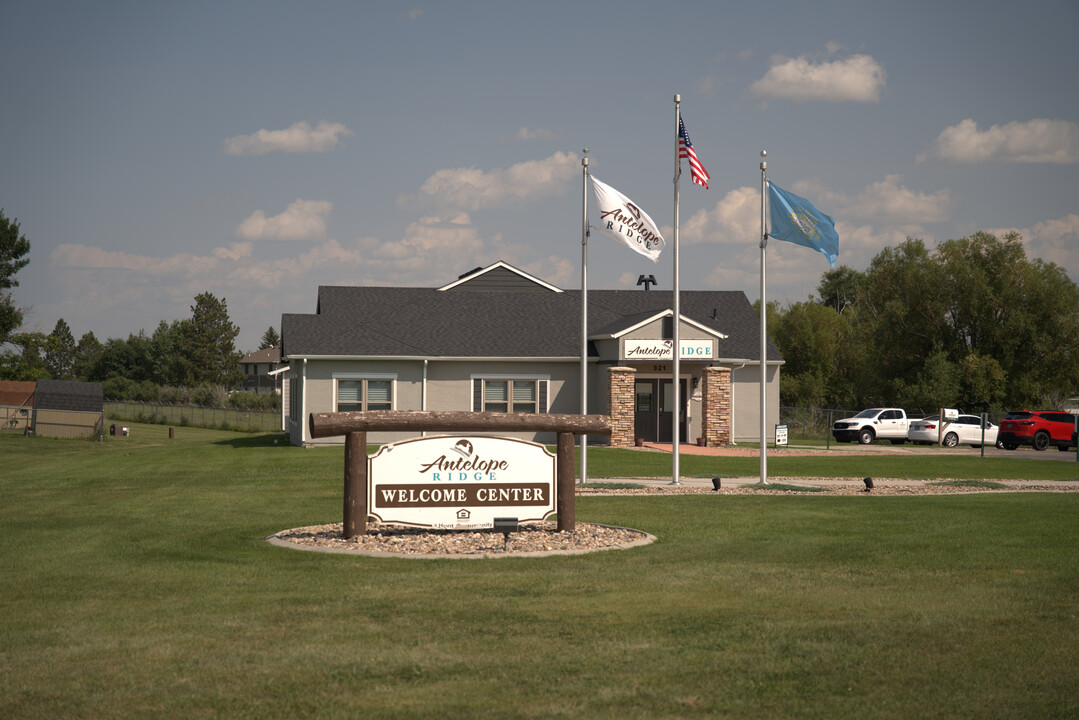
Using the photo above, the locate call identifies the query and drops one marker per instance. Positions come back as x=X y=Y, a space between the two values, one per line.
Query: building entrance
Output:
x=653 y=411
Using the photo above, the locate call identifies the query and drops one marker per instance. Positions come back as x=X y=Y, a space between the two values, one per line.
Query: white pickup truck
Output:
x=868 y=425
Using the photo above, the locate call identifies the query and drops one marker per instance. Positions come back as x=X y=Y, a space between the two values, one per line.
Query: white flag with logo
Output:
x=623 y=220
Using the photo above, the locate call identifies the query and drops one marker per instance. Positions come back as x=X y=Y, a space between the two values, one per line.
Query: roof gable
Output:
x=499 y=276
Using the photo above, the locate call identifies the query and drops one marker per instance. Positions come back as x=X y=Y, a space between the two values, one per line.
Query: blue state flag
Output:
x=794 y=219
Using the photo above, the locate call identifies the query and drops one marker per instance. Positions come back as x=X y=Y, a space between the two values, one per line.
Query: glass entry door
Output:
x=645 y=410
x=653 y=411
x=666 y=411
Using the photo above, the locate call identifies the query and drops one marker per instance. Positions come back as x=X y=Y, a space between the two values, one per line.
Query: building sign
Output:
x=661 y=349
x=458 y=482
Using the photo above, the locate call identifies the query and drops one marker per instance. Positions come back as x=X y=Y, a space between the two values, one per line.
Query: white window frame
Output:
x=392 y=377
x=503 y=377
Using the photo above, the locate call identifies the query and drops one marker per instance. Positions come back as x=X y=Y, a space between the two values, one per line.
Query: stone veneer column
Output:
x=620 y=401
x=716 y=406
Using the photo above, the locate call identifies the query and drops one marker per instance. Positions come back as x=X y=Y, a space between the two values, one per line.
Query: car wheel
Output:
x=1041 y=440
x=1010 y=446
x=951 y=440
x=866 y=436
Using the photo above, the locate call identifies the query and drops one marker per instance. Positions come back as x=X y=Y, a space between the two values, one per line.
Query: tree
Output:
x=838 y=287
x=207 y=344
x=29 y=362
x=129 y=359
x=821 y=355
x=13 y=251
x=165 y=354
x=270 y=339
x=60 y=352
x=86 y=354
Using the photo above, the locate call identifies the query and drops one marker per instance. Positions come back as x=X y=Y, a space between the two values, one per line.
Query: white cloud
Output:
x=535 y=134
x=1033 y=141
x=858 y=78
x=414 y=14
x=735 y=219
x=472 y=188
x=889 y=202
x=1054 y=241
x=298 y=138
x=301 y=220
x=430 y=245
x=82 y=256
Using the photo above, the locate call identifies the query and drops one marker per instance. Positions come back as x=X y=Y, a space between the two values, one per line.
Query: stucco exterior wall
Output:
x=746 y=402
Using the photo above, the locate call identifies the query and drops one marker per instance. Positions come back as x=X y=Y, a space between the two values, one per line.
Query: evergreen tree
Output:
x=60 y=352
x=207 y=344
x=13 y=251
x=270 y=339
x=86 y=354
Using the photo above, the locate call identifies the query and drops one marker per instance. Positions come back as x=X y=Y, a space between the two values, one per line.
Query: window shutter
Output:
x=477 y=395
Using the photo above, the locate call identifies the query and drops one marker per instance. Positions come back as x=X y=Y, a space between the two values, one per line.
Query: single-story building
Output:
x=499 y=339
x=16 y=403
x=68 y=409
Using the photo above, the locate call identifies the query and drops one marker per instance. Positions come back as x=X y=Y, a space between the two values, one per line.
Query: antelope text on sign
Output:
x=461 y=482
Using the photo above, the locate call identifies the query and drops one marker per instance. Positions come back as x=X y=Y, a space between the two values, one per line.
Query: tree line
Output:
x=972 y=324
x=191 y=360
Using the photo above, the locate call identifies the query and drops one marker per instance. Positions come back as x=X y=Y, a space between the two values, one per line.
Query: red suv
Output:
x=1039 y=428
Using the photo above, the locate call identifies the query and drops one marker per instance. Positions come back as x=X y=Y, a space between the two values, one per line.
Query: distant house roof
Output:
x=268 y=355
x=16 y=392
x=521 y=319
x=69 y=395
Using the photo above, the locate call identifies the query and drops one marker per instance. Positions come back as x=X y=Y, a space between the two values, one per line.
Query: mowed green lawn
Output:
x=137 y=583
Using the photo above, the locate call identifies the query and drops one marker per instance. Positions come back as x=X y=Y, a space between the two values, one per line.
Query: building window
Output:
x=364 y=394
x=519 y=395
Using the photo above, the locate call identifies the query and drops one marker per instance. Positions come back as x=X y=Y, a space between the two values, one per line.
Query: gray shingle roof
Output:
x=68 y=395
x=423 y=322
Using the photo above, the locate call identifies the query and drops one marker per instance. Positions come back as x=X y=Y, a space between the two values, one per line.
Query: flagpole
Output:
x=584 y=310
x=764 y=322
x=676 y=351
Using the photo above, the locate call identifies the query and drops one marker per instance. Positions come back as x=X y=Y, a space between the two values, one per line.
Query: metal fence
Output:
x=195 y=416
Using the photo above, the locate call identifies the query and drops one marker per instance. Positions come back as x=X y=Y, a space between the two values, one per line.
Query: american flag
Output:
x=685 y=150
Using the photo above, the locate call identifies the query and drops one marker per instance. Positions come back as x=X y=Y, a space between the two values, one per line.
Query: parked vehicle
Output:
x=965 y=430
x=1037 y=428
x=868 y=425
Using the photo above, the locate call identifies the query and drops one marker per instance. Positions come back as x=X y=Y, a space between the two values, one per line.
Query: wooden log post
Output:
x=355 y=515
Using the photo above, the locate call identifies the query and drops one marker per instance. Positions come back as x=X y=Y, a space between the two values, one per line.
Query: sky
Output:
x=153 y=151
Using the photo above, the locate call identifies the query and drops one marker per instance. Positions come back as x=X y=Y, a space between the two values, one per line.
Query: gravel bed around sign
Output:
x=544 y=538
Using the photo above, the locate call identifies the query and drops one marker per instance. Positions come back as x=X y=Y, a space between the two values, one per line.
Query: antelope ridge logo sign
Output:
x=461 y=482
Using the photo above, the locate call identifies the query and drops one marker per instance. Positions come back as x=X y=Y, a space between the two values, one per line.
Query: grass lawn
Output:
x=137 y=583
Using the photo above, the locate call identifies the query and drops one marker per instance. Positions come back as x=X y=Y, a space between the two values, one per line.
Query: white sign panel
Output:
x=951 y=414
x=461 y=482
x=662 y=349
x=781 y=435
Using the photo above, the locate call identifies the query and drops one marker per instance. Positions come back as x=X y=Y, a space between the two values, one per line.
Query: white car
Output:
x=966 y=430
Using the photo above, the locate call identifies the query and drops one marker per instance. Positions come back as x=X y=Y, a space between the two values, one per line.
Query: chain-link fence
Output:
x=195 y=416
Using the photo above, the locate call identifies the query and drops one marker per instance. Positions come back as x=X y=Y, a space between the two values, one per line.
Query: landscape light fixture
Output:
x=868 y=483
x=506 y=525
x=716 y=484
